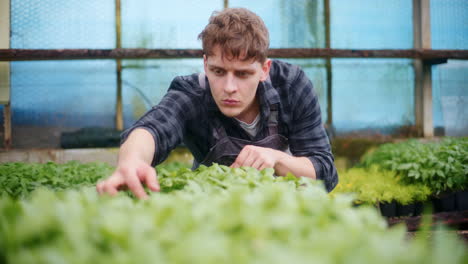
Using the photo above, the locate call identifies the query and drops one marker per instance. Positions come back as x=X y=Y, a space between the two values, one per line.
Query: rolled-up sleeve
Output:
x=166 y=121
x=307 y=136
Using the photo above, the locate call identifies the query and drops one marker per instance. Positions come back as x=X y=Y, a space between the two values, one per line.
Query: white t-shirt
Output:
x=252 y=128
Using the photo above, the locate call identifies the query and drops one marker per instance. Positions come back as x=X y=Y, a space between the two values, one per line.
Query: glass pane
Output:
x=292 y=24
x=372 y=94
x=165 y=25
x=71 y=24
x=371 y=24
x=450 y=98
x=64 y=93
x=144 y=82
x=449 y=24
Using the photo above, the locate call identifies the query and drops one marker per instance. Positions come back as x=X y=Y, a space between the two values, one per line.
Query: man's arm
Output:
x=300 y=166
x=307 y=136
x=159 y=129
x=133 y=166
x=139 y=145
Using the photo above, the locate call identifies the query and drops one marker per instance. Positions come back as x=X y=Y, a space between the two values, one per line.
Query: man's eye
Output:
x=218 y=71
x=242 y=74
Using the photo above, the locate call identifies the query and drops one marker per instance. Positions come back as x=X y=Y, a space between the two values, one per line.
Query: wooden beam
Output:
x=423 y=69
x=418 y=96
x=427 y=119
x=85 y=54
x=119 y=125
x=7 y=140
x=4 y=44
x=328 y=67
x=5 y=71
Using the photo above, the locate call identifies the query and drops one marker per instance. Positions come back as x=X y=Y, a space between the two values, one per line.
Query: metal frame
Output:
x=423 y=69
x=428 y=55
x=119 y=125
x=328 y=67
x=5 y=71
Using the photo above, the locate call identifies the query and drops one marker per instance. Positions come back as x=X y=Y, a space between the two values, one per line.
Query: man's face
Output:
x=234 y=84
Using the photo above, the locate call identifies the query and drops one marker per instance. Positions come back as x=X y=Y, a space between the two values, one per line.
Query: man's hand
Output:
x=257 y=157
x=130 y=175
x=261 y=158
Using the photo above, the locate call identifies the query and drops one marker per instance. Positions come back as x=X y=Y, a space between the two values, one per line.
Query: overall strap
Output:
x=219 y=132
x=273 y=120
x=202 y=80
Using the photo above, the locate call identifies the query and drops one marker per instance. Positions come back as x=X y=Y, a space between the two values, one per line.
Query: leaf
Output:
x=450 y=182
x=440 y=173
x=405 y=166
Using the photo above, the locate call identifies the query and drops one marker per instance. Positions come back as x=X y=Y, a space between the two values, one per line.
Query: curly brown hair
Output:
x=240 y=34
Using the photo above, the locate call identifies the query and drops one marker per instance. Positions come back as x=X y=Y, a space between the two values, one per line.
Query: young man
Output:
x=246 y=110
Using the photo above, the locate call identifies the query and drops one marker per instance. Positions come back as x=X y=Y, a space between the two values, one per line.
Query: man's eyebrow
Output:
x=249 y=70
x=245 y=70
x=214 y=65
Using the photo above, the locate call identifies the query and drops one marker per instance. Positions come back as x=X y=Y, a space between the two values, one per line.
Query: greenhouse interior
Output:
x=128 y=137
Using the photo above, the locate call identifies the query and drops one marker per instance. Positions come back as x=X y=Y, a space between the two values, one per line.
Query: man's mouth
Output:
x=230 y=102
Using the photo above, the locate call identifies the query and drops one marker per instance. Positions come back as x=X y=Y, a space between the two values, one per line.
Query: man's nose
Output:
x=230 y=85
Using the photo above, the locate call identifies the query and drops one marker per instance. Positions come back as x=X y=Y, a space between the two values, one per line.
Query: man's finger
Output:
x=263 y=166
x=99 y=187
x=257 y=164
x=148 y=174
x=112 y=191
x=235 y=164
x=250 y=159
x=239 y=162
x=111 y=185
x=135 y=186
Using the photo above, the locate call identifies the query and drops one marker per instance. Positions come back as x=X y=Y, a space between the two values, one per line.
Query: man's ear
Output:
x=265 y=70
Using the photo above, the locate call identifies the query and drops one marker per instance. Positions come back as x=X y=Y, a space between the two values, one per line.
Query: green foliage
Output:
x=19 y=179
x=212 y=215
x=439 y=165
x=218 y=178
x=372 y=186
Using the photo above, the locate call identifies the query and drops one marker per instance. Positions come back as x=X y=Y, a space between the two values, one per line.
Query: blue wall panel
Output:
x=449 y=30
x=372 y=94
x=367 y=93
x=63 y=93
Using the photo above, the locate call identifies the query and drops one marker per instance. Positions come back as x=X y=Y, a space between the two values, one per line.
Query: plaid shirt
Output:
x=185 y=112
